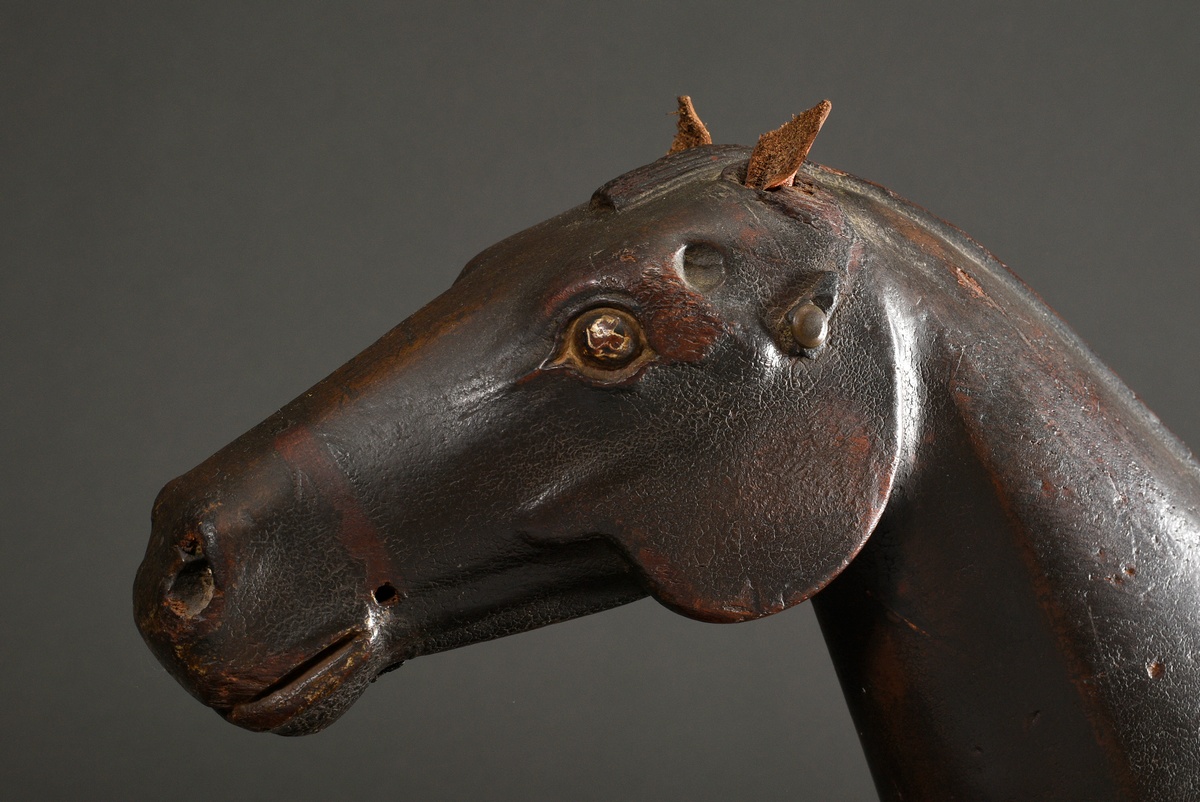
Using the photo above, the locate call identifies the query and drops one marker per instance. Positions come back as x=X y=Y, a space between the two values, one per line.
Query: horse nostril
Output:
x=191 y=590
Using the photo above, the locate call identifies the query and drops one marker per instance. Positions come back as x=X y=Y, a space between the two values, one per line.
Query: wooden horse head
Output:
x=713 y=383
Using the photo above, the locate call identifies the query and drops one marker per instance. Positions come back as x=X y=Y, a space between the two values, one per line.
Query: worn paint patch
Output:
x=682 y=326
x=302 y=451
x=925 y=240
x=968 y=283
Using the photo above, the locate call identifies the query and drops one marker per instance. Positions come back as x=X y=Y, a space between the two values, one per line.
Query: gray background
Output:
x=205 y=209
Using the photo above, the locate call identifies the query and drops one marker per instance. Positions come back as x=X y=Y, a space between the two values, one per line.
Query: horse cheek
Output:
x=752 y=540
x=787 y=505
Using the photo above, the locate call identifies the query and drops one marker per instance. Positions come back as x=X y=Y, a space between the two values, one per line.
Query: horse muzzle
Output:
x=225 y=607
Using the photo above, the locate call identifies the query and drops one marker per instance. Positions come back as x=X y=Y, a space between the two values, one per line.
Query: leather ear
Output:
x=690 y=131
x=779 y=153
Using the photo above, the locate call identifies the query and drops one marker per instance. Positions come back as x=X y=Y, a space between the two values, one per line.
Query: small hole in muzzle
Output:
x=386 y=594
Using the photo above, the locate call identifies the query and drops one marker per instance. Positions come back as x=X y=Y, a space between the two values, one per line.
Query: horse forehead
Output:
x=635 y=250
x=597 y=241
x=626 y=237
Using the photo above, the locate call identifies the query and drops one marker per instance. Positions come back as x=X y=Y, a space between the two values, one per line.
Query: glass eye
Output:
x=605 y=344
x=607 y=338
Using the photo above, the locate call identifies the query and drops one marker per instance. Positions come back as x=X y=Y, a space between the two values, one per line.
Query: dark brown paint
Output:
x=1002 y=542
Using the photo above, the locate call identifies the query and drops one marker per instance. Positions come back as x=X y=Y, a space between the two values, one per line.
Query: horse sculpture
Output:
x=734 y=380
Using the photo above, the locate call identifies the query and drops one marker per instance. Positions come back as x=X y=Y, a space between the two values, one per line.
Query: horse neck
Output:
x=1021 y=624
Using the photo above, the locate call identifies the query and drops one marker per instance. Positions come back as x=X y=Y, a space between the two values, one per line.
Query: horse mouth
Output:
x=310 y=696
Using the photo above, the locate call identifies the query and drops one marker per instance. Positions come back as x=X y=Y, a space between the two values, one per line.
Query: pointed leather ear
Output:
x=779 y=153
x=690 y=130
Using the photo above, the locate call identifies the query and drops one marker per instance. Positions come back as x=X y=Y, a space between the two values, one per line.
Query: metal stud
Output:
x=809 y=324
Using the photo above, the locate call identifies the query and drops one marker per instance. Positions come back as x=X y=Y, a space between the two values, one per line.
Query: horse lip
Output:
x=312 y=680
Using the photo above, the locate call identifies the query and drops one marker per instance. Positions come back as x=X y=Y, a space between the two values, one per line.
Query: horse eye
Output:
x=607 y=338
